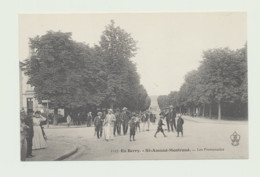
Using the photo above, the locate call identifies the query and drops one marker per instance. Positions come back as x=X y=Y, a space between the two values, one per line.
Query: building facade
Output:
x=27 y=97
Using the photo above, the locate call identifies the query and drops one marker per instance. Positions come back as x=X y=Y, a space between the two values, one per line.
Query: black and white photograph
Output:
x=133 y=86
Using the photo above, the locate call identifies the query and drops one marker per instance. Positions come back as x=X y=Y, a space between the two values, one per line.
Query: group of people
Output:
x=32 y=133
x=170 y=116
x=112 y=124
x=79 y=119
x=107 y=125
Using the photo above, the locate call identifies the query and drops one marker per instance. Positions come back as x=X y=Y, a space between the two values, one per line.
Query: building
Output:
x=27 y=97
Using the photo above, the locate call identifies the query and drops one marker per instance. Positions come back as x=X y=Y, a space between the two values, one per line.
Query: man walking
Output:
x=125 y=120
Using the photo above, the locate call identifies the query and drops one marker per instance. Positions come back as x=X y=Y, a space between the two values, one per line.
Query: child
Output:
x=180 y=123
x=132 y=125
x=160 y=124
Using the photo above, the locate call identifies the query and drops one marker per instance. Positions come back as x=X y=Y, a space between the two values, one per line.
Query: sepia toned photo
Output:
x=133 y=86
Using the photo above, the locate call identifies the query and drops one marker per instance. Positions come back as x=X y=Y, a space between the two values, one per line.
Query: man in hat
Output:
x=125 y=119
x=29 y=122
x=118 y=122
x=98 y=124
x=170 y=119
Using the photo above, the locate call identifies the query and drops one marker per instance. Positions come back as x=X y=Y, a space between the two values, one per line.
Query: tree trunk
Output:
x=203 y=110
x=137 y=107
x=210 y=110
x=219 y=111
x=180 y=110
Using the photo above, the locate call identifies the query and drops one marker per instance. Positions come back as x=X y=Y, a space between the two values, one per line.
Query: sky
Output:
x=169 y=44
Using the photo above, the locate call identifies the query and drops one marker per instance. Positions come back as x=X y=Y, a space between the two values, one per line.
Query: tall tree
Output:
x=222 y=75
x=118 y=47
x=64 y=71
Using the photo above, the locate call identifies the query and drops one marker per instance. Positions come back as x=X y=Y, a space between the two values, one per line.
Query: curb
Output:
x=64 y=156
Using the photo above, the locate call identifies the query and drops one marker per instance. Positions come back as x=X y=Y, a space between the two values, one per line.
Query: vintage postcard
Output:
x=133 y=86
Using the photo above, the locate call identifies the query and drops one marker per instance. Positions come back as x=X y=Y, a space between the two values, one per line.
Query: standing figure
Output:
x=143 y=119
x=108 y=125
x=78 y=119
x=138 y=120
x=132 y=125
x=68 y=119
x=38 y=138
x=118 y=122
x=23 y=135
x=30 y=133
x=102 y=118
x=173 y=110
x=147 y=120
x=43 y=132
x=98 y=124
x=125 y=120
x=160 y=124
x=89 y=119
x=170 y=119
x=180 y=123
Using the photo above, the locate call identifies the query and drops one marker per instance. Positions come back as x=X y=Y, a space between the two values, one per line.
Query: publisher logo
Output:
x=235 y=138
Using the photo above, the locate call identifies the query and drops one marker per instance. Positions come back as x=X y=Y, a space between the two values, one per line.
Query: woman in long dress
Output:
x=38 y=139
x=108 y=125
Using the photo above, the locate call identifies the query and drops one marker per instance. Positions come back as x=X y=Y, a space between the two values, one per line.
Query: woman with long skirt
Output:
x=108 y=125
x=38 y=141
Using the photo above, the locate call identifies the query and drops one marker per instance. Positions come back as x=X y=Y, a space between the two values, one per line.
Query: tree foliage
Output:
x=220 y=80
x=73 y=75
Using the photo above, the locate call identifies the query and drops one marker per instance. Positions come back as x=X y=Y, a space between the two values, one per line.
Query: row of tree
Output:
x=217 y=88
x=75 y=76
